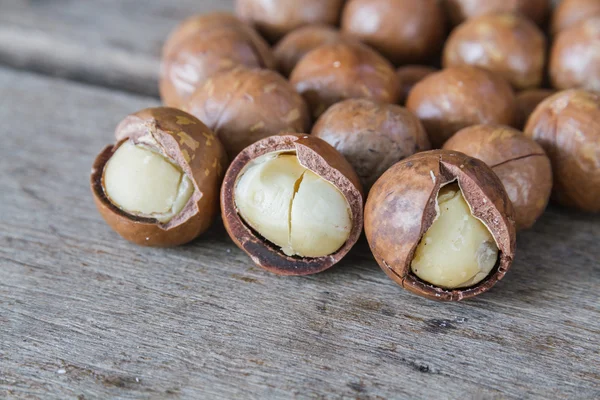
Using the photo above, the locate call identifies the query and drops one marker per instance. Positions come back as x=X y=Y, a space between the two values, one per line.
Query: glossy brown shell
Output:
x=274 y=19
x=527 y=101
x=372 y=136
x=405 y=31
x=339 y=71
x=409 y=76
x=244 y=105
x=401 y=208
x=457 y=97
x=204 y=45
x=575 y=57
x=571 y=13
x=461 y=10
x=520 y=163
x=185 y=140
x=319 y=157
x=567 y=126
x=505 y=43
x=301 y=41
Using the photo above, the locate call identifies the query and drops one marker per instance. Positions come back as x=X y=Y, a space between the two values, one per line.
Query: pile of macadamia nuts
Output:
x=440 y=128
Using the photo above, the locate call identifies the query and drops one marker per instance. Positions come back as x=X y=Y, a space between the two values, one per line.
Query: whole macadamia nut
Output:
x=520 y=163
x=275 y=18
x=527 y=101
x=345 y=70
x=405 y=31
x=159 y=184
x=409 y=76
x=372 y=136
x=504 y=43
x=575 y=57
x=569 y=13
x=204 y=45
x=244 y=105
x=441 y=225
x=454 y=98
x=567 y=126
x=461 y=10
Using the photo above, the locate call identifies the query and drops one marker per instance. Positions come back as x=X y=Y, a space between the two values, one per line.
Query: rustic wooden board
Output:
x=84 y=314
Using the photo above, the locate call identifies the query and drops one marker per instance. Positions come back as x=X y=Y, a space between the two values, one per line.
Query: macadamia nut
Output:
x=143 y=183
x=293 y=207
x=457 y=250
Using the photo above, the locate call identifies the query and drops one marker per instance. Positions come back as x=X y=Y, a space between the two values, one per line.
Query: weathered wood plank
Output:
x=83 y=313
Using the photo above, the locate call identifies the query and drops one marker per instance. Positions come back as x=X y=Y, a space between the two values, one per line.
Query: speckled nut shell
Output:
x=457 y=97
x=461 y=10
x=527 y=101
x=405 y=31
x=185 y=140
x=299 y=42
x=505 y=43
x=402 y=206
x=315 y=155
x=520 y=163
x=274 y=19
x=575 y=57
x=372 y=136
x=203 y=45
x=409 y=76
x=571 y=13
x=244 y=105
x=567 y=126
x=339 y=71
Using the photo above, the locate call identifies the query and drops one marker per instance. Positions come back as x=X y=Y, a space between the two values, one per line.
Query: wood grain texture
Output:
x=85 y=315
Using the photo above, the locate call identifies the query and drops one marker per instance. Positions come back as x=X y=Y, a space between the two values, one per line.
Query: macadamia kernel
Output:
x=143 y=183
x=293 y=207
x=458 y=250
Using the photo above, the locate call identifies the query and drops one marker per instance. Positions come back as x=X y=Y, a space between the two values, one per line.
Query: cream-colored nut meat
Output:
x=143 y=183
x=458 y=250
x=293 y=207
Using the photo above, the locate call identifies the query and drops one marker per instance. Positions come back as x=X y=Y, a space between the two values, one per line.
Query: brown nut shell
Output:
x=409 y=76
x=203 y=46
x=526 y=102
x=296 y=44
x=274 y=19
x=372 y=136
x=520 y=163
x=504 y=43
x=457 y=97
x=571 y=13
x=339 y=71
x=575 y=57
x=402 y=206
x=315 y=155
x=405 y=31
x=461 y=10
x=191 y=145
x=567 y=126
x=244 y=105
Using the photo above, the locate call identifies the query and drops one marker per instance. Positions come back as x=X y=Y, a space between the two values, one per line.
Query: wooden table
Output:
x=85 y=315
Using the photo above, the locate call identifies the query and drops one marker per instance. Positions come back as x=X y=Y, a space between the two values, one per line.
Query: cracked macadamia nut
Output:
x=575 y=57
x=567 y=126
x=405 y=31
x=526 y=101
x=461 y=10
x=159 y=184
x=335 y=72
x=520 y=163
x=440 y=224
x=372 y=136
x=409 y=76
x=275 y=18
x=292 y=203
x=505 y=43
x=457 y=97
x=571 y=13
x=244 y=105
x=204 y=45
x=296 y=44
